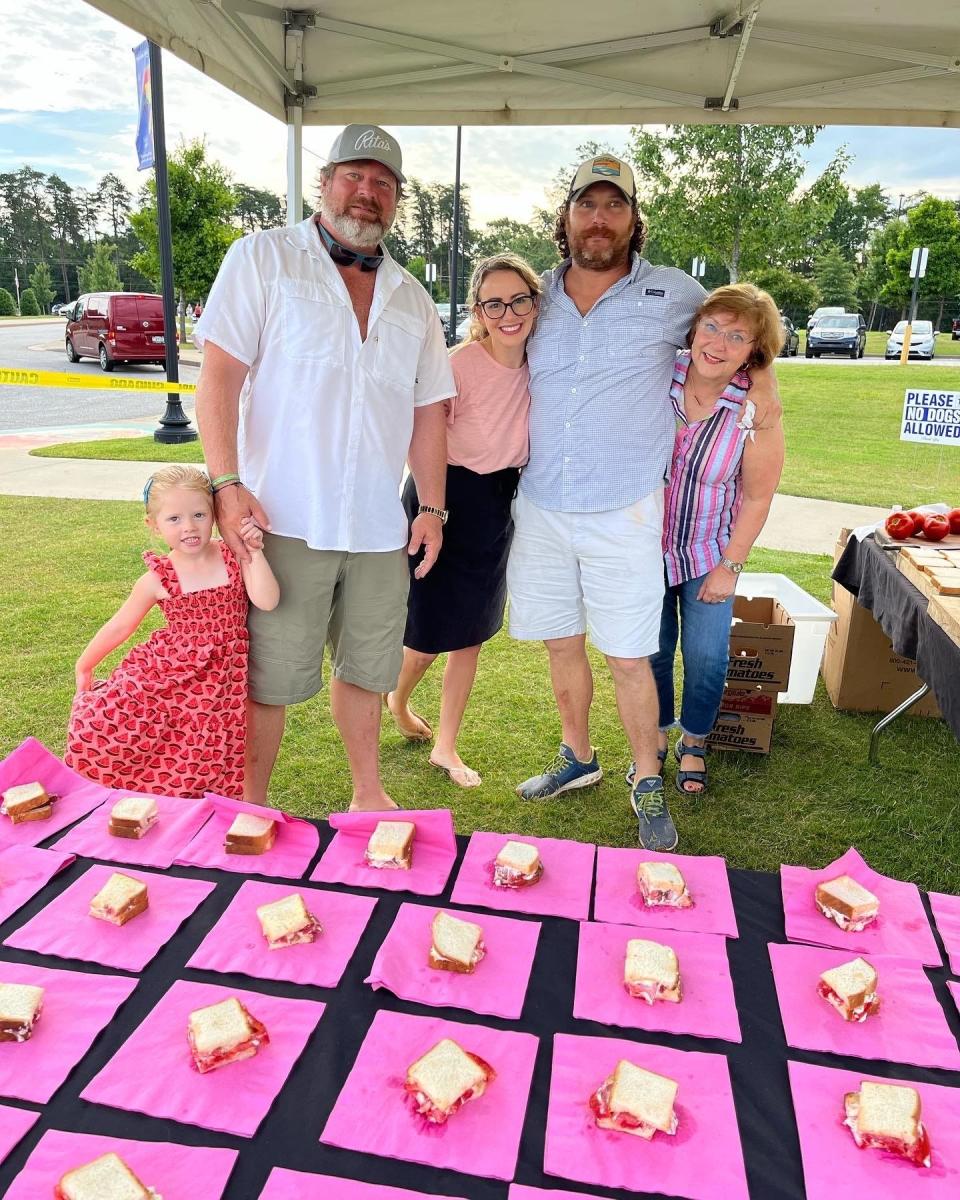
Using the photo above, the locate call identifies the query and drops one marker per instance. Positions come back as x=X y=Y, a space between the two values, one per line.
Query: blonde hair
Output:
x=192 y=479
x=486 y=266
x=757 y=308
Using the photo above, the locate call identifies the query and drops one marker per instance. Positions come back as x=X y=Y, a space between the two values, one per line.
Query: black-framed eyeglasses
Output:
x=343 y=256
x=519 y=305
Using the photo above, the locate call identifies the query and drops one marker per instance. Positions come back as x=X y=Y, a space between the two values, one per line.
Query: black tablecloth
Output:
x=289 y=1135
x=871 y=574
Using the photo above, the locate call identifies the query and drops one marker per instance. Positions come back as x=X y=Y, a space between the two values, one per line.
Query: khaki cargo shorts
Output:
x=357 y=602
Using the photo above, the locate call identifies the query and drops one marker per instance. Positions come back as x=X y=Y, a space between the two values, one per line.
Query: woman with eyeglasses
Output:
x=460 y=604
x=726 y=465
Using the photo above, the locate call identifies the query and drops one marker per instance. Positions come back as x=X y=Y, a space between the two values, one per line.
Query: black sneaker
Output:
x=656 y=830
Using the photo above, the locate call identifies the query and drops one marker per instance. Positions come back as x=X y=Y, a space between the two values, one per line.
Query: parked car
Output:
x=116 y=327
x=923 y=340
x=791 y=342
x=823 y=312
x=955 y=329
x=845 y=334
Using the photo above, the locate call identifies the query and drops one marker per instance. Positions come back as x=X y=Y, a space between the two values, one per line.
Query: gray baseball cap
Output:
x=367 y=141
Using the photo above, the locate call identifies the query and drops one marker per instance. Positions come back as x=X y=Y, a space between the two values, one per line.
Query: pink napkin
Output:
x=296 y=1185
x=483 y=1138
x=577 y=1149
x=434 y=852
x=236 y=942
x=232 y=1099
x=65 y=928
x=15 y=1123
x=24 y=870
x=519 y=1192
x=833 y=1164
x=708 y=1008
x=901 y=928
x=179 y=821
x=76 y=1007
x=32 y=762
x=176 y=1172
x=498 y=984
x=562 y=891
x=618 y=897
x=288 y=858
x=910 y=1026
x=946 y=913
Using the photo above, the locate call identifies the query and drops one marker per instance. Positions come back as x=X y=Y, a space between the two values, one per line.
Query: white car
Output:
x=923 y=340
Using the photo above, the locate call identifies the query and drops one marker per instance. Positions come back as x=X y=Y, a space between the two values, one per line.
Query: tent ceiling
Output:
x=548 y=62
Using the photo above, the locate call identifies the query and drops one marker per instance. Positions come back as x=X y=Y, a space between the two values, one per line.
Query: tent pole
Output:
x=455 y=248
x=293 y=49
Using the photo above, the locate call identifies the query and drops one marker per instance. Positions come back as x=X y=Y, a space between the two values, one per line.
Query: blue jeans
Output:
x=704 y=633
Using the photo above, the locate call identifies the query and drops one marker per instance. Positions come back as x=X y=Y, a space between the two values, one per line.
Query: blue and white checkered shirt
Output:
x=601 y=422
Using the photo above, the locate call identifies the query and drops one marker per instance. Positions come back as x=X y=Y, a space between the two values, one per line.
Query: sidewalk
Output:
x=795 y=523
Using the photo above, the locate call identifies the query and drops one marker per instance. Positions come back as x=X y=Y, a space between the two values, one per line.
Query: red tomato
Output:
x=954 y=518
x=936 y=527
x=918 y=519
x=899 y=525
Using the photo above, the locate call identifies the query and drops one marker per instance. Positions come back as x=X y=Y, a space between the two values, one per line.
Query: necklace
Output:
x=696 y=399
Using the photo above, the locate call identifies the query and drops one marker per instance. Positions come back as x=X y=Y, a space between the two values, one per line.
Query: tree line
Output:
x=731 y=194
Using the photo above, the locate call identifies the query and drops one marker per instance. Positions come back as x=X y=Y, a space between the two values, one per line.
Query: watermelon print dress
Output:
x=171 y=717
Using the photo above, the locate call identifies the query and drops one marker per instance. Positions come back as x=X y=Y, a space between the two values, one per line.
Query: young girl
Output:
x=171 y=717
x=460 y=604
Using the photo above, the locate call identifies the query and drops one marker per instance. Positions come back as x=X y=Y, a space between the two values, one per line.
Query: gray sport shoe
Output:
x=565 y=773
x=656 y=830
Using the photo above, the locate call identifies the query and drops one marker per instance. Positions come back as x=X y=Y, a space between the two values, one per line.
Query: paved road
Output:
x=39 y=347
x=871 y=360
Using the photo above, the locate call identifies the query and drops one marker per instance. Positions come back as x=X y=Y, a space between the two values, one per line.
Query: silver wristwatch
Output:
x=442 y=513
x=735 y=567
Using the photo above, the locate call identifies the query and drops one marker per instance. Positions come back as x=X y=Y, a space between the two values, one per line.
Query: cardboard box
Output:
x=861 y=671
x=745 y=720
x=761 y=644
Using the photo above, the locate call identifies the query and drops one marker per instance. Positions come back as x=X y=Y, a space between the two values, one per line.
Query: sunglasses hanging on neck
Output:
x=345 y=257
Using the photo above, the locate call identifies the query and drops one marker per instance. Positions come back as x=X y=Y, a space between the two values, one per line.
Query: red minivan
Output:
x=116 y=327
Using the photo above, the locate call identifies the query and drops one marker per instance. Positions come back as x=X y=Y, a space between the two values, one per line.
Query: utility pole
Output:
x=918 y=268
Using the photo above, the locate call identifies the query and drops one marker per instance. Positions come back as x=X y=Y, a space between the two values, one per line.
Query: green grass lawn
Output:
x=842 y=428
x=812 y=797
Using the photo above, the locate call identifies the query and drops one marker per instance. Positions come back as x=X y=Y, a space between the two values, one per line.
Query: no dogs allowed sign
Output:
x=931 y=417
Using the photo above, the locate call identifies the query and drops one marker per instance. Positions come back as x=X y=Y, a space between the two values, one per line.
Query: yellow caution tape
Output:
x=21 y=377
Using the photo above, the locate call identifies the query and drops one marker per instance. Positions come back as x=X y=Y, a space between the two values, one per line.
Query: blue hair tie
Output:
x=146 y=491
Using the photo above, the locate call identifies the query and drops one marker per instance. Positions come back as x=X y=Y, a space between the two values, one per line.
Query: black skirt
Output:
x=461 y=602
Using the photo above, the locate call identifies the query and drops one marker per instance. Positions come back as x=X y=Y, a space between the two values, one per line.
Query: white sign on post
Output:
x=931 y=417
x=430 y=271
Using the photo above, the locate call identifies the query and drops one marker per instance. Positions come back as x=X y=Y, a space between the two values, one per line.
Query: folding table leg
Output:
x=873 y=756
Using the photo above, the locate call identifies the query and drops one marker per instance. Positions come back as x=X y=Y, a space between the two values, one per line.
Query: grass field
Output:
x=842 y=427
x=810 y=799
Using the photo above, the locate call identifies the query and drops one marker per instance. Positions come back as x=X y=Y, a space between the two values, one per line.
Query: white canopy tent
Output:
x=541 y=62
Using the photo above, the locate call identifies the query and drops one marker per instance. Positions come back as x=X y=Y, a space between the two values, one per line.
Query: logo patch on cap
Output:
x=606 y=166
x=371 y=140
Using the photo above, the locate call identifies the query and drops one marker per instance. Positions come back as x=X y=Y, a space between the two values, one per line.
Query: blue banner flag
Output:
x=141 y=56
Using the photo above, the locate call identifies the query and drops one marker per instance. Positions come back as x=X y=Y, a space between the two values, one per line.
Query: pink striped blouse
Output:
x=704 y=492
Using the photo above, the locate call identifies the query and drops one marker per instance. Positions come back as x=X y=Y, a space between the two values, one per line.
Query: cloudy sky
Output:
x=68 y=105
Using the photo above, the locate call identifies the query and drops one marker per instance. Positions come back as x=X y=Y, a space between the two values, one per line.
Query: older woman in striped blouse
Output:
x=726 y=465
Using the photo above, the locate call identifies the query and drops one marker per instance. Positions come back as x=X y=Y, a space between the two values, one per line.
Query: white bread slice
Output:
x=851 y=989
x=105 y=1178
x=287 y=922
x=391 y=845
x=457 y=945
x=636 y=1101
x=23 y=797
x=250 y=834
x=847 y=903
x=661 y=883
x=223 y=1033
x=651 y=972
x=518 y=864
x=886 y=1116
x=120 y=899
x=444 y=1079
x=133 y=816
x=20 y=1007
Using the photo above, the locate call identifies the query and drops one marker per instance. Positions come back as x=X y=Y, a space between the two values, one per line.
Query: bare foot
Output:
x=372 y=803
x=462 y=775
x=413 y=727
x=692 y=762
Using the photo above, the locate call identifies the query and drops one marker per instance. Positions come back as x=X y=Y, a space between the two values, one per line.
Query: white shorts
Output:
x=598 y=573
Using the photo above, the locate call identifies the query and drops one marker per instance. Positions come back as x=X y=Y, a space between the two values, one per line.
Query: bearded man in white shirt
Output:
x=324 y=370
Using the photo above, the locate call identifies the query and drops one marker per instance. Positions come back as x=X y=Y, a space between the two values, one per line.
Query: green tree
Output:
x=532 y=240
x=933 y=223
x=202 y=206
x=858 y=214
x=7 y=306
x=41 y=287
x=731 y=192
x=66 y=228
x=835 y=278
x=794 y=294
x=873 y=283
x=113 y=199
x=257 y=208
x=99 y=272
x=28 y=304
